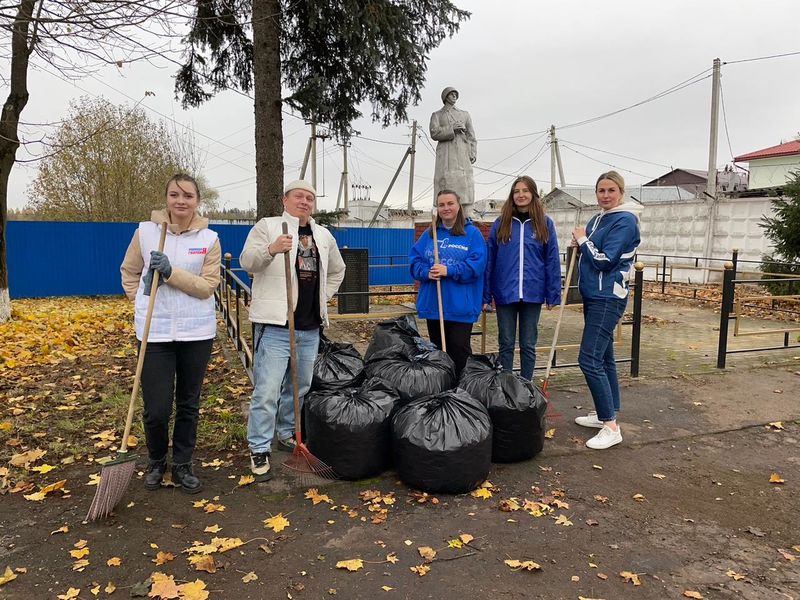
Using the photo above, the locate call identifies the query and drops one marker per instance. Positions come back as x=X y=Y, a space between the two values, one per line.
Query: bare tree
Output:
x=75 y=37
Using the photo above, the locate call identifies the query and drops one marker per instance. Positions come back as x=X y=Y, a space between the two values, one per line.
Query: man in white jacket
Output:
x=318 y=272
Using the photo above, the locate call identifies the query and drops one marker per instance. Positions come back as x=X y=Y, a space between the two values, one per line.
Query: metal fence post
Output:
x=664 y=275
x=724 y=313
x=735 y=260
x=227 y=290
x=636 y=333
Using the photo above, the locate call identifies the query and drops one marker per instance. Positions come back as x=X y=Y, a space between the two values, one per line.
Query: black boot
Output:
x=154 y=474
x=183 y=476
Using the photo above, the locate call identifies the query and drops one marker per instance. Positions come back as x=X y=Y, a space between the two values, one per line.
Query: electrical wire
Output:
x=570 y=142
x=725 y=119
x=744 y=60
x=602 y=162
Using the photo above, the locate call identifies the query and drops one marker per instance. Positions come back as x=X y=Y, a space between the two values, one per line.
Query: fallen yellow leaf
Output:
x=7 y=576
x=110 y=588
x=63 y=529
x=386 y=588
x=522 y=565
x=79 y=553
x=563 y=520
x=392 y=558
x=639 y=497
x=210 y=508
x=251 y=576
x=776 y=478
x=163 y=557
x=277 y=523
x=70 y=594
x=629 y=577
x=315 y=497
x=466 y=538
x=693 y=594
x=550 y=433
x=353 y=564
x=80 y=565
x=482 y=493
x=212 y=529
x=427 y=553
x=246 y=480
x=194 y=590
x=203 y=562
x=114 y=561
x=420 y=570
x=43 y=469
x=734 y=575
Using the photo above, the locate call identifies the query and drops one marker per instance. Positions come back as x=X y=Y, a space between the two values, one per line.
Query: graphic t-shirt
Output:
x=306 y=315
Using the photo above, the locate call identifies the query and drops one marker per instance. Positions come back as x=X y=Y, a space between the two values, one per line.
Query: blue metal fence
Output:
x=48 y=258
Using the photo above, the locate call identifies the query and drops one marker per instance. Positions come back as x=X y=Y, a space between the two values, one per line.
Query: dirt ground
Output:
x=685 y=507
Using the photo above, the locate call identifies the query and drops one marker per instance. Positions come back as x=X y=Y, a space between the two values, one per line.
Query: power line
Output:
x=614 y=153
x=671 y=90
x=744 y=60
x=602 y=162
x=725 y=119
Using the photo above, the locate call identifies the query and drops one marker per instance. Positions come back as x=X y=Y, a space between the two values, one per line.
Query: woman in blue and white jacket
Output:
x=607 y=246
x=462 y=260
x=523 y=272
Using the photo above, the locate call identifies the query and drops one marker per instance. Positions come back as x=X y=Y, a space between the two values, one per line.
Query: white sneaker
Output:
x=605 y=438
x=589 y=420
x=259 y=466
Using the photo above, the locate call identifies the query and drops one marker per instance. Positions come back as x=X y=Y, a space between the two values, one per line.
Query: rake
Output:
x=115 y=476
x=302 y=462
x=564 y=295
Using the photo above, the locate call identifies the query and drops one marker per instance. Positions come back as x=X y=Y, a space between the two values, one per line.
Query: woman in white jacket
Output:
x=182 y=328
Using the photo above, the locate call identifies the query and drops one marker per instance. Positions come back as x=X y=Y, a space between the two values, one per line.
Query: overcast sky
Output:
x=519 y=66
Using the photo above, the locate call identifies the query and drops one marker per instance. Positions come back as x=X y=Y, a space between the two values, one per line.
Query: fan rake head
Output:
x=115 y=476
x=307 y=467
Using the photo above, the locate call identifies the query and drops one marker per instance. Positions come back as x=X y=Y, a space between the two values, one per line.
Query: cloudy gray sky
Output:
x=520 y=66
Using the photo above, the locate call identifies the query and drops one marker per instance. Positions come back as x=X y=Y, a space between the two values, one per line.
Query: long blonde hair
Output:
x=536 y=212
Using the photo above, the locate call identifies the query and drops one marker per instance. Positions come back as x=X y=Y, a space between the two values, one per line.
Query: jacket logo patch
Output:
x=198 y=250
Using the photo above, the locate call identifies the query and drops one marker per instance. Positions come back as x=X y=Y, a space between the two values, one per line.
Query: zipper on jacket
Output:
x=521 y=254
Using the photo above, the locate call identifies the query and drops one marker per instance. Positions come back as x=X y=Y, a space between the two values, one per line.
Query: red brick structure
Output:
x=484 y=226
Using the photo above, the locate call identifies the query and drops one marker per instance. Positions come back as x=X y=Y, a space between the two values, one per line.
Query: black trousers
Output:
x=458 y=337
x=173 y=372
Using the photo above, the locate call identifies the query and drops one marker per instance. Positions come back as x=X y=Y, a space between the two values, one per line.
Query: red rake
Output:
x=115 y=476
x=302 y=462
x=550 y=412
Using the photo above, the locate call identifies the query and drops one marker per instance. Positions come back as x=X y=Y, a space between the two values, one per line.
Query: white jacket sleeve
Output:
x=255 y=255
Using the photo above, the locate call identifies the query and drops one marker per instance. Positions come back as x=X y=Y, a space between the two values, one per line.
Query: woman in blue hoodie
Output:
x=523 y=272
x=607 y=246
x=462 y=260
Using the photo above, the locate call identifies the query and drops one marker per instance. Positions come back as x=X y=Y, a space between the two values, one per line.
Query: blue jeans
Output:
x=507 y=315
x=596 y=356
x=272 y=406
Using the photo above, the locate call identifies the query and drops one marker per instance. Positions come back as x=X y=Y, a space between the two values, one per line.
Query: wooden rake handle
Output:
x=438 y=281
x=287 y=267
x=143 y=347
x=564 y=295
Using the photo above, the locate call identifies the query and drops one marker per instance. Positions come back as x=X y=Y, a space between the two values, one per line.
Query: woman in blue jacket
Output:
x=607 y=246
x=523 y=272
x=462 y=260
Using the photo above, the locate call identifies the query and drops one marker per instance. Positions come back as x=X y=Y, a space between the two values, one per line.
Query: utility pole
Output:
x=552 y=157
x=711 y=185
x=313 y=155
x=343 y=180
x=560 y=166
x=411 y=166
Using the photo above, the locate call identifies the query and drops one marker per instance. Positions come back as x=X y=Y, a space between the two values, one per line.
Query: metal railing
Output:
x=233 y=295
x=731 y=310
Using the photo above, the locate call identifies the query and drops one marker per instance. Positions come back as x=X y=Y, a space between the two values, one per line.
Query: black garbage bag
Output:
x=396 y=332
x=337 y=366
x=443 y=443
x=350 y=429
x=517 y=407
x=414 y=371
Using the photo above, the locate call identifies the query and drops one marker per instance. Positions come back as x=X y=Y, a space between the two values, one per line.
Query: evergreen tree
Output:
x=330 y=56
x=783 y=230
